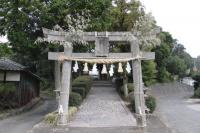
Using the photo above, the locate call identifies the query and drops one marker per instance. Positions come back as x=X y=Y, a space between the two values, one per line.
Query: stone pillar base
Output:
x=141 y=120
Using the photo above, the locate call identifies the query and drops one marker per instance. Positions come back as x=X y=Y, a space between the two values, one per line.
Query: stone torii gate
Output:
x=101 y=40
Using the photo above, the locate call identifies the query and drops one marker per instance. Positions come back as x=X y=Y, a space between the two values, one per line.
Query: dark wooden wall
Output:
x=28 y=88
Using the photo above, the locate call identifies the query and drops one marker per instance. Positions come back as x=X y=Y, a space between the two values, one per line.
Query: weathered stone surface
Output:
x=103 y=108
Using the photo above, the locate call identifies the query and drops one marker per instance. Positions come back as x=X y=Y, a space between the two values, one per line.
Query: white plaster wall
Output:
x=12 y=76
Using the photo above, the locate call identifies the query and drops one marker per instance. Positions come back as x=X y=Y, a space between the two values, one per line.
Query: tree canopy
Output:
x=22 y=22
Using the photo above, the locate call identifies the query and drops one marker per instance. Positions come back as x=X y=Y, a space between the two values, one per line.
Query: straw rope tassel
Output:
x=104 y=70
x=120 y=70
x=85 y=69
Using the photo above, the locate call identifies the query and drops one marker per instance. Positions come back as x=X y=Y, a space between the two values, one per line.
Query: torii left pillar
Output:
x=65 y=85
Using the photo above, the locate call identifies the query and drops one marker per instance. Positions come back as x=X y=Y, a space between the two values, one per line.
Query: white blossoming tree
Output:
x=146 y=30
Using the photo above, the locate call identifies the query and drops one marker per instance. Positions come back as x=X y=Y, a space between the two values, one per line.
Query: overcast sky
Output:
x=179 y=17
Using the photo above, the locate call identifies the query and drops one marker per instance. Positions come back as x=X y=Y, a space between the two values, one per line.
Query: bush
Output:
x=8 y=97
x=197 y=93
x=75 y=99
x=130 y=87
x=6 y=88
x=84 y=78
x=150 y=102
x=83 y=81
x=51 y=118
x=118 y=83
x=79 y=90
x=82 y=84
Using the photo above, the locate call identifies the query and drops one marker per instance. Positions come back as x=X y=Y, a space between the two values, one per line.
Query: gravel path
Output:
x=103 y=108
x=24 y=122
x=175 y=109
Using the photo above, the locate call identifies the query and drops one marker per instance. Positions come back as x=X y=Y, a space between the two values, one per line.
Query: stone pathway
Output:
x=103 y=111
x=103 y=108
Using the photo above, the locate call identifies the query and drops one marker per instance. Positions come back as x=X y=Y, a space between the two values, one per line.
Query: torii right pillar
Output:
x=138 y=84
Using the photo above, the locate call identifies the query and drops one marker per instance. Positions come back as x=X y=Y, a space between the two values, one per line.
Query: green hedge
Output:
x=118 y=83
x=8 y=98
x=83 y=81
x=82 y=84
x=79 y=90
x=6 y=88
x=197 y=93
x=84 y=78
x=129 y=86
x=150 y=102
x=75 y=99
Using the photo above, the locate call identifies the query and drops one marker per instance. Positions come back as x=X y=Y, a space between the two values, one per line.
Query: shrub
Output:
x=118 y=83
x=84 y=78
x=75 y=99
x=79 y=90
x=130 y=87
x=8 y=97
x=51 y=118
x=150 y=102
x=197 y=93
x=83 y=81
x=6 y=88
x=72 y=111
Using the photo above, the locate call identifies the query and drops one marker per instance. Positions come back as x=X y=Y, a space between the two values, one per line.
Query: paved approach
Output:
x=103 y=108
x=103 y=111
x=174 y=108
x=24 y=122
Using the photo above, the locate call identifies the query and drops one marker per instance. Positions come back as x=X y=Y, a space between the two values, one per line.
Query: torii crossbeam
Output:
x=101 y=40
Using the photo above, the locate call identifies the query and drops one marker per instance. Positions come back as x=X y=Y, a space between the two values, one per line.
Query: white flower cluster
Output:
x=75 y=30
x=146 y=31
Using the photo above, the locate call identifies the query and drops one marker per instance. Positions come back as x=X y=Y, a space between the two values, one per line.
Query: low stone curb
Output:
x=25 y=108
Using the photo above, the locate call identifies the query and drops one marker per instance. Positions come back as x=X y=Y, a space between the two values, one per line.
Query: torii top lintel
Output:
x=53 y=35
x=101 y=45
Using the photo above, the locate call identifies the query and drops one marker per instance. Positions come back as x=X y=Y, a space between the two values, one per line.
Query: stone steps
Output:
x=102 y=83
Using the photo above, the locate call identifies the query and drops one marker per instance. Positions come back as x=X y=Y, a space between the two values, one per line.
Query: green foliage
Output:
x=197 y=93
x=179 y=50
x=79 y=90
x=118 y=83
x=171 y=59
x=5 y=51
x=197 y=81
x=197 y=62
x=150 y=102
x=124 y=14
x=130 y=87
x=51 y=118
x=149 y=72
x=176 y=66
x=6 y=88
x=8 y=99
x=75 y=99
x=163 y=75
x=83 y=81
